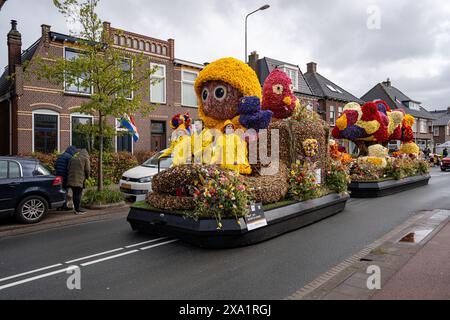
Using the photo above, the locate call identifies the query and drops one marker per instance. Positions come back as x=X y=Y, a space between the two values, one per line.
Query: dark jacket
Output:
x=79 y=169
x=62 y=163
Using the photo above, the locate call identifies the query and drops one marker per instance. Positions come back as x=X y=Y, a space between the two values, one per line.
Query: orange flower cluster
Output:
x=343 y=157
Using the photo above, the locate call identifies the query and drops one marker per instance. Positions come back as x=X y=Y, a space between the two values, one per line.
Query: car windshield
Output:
x=153 y=161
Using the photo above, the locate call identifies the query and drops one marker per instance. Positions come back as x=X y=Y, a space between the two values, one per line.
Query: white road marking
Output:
x=13 y=284
x=108 y=258
x=145 y=242
x=158 y=244
x=30 y=272
x=94 y=255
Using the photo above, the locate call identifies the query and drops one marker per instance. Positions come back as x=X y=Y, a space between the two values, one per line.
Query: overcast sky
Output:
x=411 y=45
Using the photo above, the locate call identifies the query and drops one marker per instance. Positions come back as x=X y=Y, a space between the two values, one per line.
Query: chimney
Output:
x=45 y=30
x=14 y=47
x=387 y=83
x=311 y=67
x=171 y=48
x=253 y=60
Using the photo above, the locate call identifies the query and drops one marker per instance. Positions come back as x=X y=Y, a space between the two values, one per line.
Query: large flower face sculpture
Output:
x=220 y=86
x=374 y=121
x=278 y=95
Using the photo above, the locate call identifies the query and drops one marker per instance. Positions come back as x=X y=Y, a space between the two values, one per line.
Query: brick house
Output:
x=331 y=98
x=396 y=99
x=37 y=116
x=441 y=126
x=264 y=66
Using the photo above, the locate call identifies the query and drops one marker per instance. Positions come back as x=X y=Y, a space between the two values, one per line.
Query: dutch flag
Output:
x=128 y=123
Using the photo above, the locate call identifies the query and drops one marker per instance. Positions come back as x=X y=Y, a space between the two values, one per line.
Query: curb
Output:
x=69 y=221
x=348 y=280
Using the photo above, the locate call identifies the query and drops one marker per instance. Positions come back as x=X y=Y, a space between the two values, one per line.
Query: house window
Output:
x=135 y=44
x=80 y=136
x=124 y=140
x=164 y=51
x=141 y=45
x=332 y=115
x=122 y=41
x=147 y=46
x=329 y=86
x=293 y=75
x=126 y=68
x=423 y=126
x=45 y=131
x=129 y=42
x=158 y=89
x=153 y=47
x=189 y=98
x=116 y=39
x=75 y=85
x=158 y=49
x=414 y=106
x=414 y=127
x=436 y=131
x=340 y=111
x=448 y=130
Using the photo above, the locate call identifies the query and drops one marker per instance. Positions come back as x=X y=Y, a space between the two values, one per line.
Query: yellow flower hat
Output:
x=232 y=71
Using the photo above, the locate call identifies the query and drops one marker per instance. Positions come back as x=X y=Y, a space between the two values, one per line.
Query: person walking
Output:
x=61 y=167
x=78 y=172
x=445 y=153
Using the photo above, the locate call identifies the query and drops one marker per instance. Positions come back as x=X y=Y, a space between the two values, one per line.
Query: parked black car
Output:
x=28 y=189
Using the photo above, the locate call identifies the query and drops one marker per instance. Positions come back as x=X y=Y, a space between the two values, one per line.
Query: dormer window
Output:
x=292 y=73
x=414 y=105
x=333 y=89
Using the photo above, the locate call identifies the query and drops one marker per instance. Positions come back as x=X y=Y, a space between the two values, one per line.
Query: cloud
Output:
x=410 y=47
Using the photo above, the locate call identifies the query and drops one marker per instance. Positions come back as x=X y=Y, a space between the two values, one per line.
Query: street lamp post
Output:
x=264 y=7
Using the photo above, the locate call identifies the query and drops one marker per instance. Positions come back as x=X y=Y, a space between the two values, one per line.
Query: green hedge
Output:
x=114 y=164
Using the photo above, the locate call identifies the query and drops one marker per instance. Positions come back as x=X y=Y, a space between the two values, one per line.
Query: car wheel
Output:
x=443 y=170
x=32 y=209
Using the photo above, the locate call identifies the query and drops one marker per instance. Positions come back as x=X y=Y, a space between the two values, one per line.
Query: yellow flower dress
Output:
x=180 y=151
x=231 y=153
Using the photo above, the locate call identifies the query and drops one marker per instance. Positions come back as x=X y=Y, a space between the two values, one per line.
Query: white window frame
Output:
x=414 y=126
x=333 y=109
x=448 y=129
x=423 y=125
x=285 y=69
x=153 y=76
x=436 y=131
x=79 y=115
x=188 y=82
x=132 y=76
x=58 y=132
x=118 y=129
x=64 y=84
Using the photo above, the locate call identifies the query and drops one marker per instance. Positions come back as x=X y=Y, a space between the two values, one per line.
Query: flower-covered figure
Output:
x=180 y=146
x=230 y=151
x=278 y=95
x=372 y=123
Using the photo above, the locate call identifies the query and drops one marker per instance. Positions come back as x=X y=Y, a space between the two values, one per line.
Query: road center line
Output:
x=95 y=255
x=145 y=242
x=13 y=284
x=30 y=272
x=158 y=244
x=108 y=258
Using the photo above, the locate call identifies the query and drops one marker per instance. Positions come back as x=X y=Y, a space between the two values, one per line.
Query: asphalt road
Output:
x=115 y=265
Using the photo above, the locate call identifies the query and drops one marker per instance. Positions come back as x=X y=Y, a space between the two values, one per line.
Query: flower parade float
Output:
x=375 y=173
x=262 y=167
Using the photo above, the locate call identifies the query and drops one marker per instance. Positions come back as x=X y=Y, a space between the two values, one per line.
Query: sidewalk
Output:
x=413 y=259
x=426 y=275
x=57 y=219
